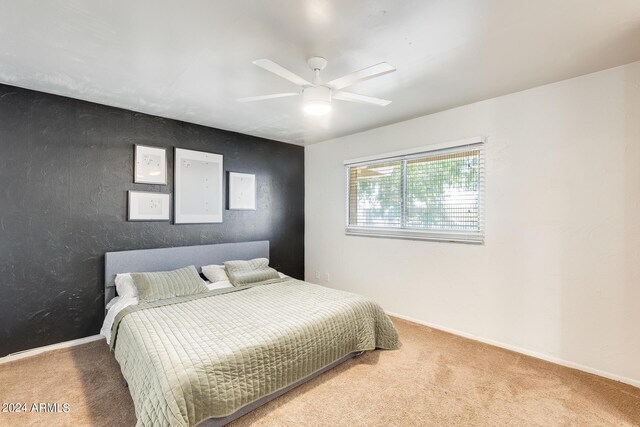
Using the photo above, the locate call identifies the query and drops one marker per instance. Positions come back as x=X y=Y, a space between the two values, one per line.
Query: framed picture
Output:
x=242 y=191
x=150 y=165
x=198 y=187
x=149 y=206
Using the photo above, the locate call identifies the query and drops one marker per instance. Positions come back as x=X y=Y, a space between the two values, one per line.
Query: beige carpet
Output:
x=436 y=379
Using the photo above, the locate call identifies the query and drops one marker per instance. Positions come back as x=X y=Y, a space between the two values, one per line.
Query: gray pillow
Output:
x=168 y=284
x=252 y=271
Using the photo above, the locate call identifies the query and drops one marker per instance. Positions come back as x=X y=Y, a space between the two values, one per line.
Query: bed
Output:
x=209 y=358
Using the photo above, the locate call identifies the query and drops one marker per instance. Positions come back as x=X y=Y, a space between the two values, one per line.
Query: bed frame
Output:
x=149 y=260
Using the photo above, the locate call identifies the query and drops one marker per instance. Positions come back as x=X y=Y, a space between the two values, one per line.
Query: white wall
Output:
x=559 y=274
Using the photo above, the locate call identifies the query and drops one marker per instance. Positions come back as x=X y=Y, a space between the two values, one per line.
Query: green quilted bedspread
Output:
x=190 y=358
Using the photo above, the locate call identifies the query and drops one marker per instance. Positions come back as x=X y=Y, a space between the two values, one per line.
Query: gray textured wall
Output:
x=65 y=168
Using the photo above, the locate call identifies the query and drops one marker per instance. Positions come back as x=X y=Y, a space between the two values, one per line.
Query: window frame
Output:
x=457 y=236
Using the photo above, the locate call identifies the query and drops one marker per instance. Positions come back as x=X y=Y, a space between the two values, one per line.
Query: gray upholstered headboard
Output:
x=171 y=258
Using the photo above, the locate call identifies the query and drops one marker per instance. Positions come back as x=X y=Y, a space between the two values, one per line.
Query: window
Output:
x=429 y=195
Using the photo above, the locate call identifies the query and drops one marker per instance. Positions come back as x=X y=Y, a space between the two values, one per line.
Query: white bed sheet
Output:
x=120 y=304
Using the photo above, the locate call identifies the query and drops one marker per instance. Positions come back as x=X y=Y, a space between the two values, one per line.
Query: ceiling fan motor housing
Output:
x=316 y=100
x=316 y=94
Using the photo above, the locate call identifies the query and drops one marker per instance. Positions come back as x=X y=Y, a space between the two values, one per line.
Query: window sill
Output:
x=391 y=233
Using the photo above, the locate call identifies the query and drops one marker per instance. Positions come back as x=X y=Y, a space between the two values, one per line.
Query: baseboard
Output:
x=35 y=351
x=548 y=358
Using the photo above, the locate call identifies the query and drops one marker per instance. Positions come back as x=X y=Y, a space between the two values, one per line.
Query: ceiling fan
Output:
x=317 y=96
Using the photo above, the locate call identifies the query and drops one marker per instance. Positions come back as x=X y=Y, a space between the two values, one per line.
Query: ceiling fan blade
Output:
x=362 y=75
x=361 y=99
x=263 y=97
x=281 y=71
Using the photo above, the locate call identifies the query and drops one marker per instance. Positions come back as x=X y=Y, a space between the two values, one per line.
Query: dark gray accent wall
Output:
x=65 y=168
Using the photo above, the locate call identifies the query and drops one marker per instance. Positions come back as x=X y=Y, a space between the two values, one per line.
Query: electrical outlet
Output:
x=317 y=275
x=327 y=278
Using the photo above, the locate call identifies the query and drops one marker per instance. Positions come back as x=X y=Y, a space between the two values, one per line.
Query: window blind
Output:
x=432 y=195
x=376 y=197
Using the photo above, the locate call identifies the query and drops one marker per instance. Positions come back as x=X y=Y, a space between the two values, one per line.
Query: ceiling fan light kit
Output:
x=316 y=100
x=317 y=96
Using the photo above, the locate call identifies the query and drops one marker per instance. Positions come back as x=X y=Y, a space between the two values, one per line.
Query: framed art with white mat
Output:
x=198 y=187
x=242 y=191
x=149 y=206
x=150 y=165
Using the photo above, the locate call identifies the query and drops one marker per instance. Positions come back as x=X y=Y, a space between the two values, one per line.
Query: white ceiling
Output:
x=189 y=60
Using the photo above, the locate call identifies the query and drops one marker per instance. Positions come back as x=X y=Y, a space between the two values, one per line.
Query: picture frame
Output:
x=242 y=191
x=149 y=206
x=198 y=182
x=150 y=165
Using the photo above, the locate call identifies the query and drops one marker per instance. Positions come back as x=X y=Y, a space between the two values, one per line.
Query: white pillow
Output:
x=215 y=273
x=125 y=286
x=112 y=302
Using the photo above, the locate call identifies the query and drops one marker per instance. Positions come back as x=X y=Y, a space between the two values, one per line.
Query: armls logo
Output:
x=46 y=408
x=50 y=407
